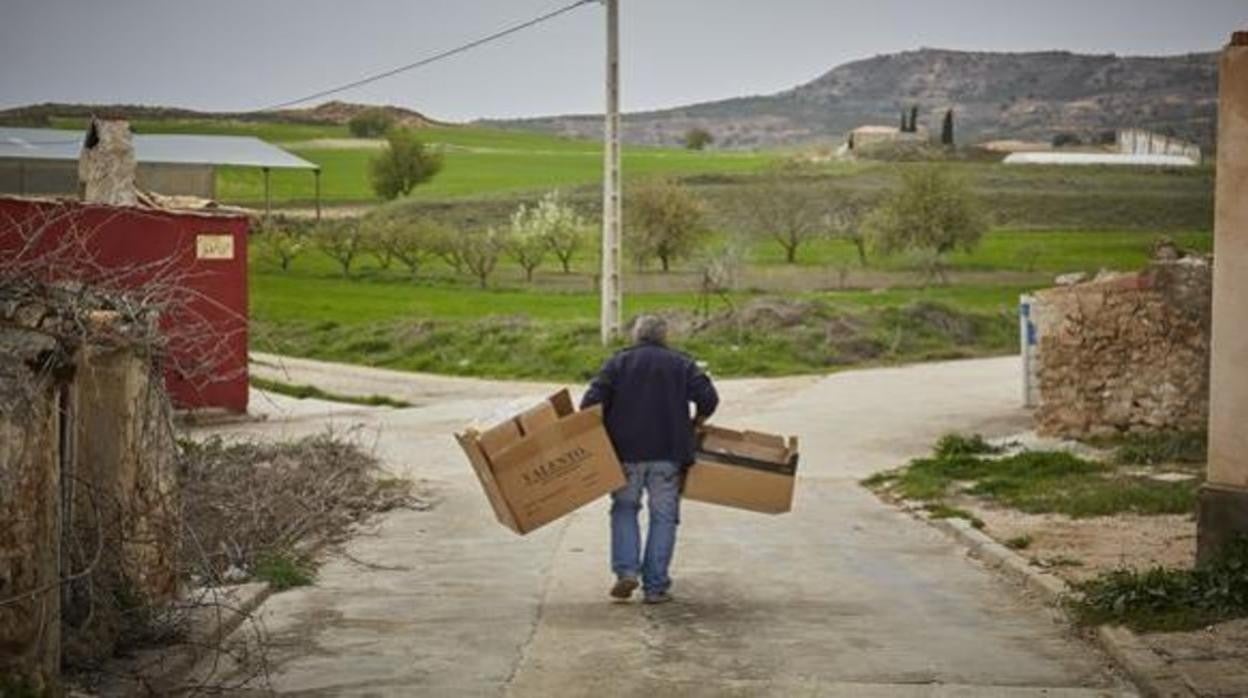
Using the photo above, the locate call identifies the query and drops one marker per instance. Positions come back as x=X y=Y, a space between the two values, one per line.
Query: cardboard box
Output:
x=743 y=469
x=543 y=463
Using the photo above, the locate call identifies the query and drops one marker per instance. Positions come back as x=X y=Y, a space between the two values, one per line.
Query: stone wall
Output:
x=30 y=522
x=89 y=510
x=122 y=483
x=1125 y=353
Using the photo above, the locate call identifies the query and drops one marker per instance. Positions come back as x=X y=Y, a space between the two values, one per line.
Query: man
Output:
x=645 y=392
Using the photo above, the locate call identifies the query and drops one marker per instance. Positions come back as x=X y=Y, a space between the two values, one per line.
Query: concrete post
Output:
x=1223 y=507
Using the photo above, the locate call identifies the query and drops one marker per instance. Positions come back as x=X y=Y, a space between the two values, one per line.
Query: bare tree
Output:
x=844 y=219
x=782 y=207
x=412 y=243
x=479 y=249
x=342 y=240
x=281 y=240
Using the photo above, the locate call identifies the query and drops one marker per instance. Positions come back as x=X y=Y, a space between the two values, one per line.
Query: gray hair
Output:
x=650 y=329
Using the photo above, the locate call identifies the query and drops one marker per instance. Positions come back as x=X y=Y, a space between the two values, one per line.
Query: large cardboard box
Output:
x=543 y=463
x=743 y=469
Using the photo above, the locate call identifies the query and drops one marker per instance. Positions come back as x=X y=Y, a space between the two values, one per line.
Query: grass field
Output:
x=1047 y=220
x=441 y=324
x=477 y=161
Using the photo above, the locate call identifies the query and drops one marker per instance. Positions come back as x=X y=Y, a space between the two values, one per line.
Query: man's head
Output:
x=650 y=329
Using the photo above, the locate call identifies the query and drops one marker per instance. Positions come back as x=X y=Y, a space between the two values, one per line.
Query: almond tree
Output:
x=281 y=241
x=932 y=214
x=782 y=207
x=341 y=240
x=478 y=250
x=665 y=220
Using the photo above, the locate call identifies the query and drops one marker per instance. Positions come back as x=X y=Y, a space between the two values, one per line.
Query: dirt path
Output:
x=842 y=597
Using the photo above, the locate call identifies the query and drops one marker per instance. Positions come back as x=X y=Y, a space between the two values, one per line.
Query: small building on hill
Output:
x=870 y=135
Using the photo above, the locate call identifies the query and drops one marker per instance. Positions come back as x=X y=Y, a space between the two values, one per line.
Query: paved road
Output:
x=843 y=597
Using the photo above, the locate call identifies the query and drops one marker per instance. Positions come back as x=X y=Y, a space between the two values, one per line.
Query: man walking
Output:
x=645 y=392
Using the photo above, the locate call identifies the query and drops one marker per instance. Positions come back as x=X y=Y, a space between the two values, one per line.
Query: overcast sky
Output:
x=246 y=54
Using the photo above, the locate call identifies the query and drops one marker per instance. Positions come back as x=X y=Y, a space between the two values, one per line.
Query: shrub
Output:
x=698 y=139
x=403 y=164
x=371 y=123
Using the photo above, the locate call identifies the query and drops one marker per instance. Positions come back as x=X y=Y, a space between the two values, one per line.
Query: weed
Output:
x=1167 y=599
x=958 y=445
x=1037 y=482
x=944 y=511
x=1019 y=542
x=1162 y=447
x=284 y=570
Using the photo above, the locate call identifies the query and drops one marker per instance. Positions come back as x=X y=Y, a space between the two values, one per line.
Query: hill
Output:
x=328 y=113
x=995 y=95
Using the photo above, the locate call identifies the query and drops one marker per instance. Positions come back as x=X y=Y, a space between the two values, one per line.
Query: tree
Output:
x=930 y=215
x=403 y=164
x=698 y=138
x=844 y=219
x=370 y=123
x=562 y=229
x=478 y=250
x=526 y=242
x=783 y=208
x=914 y=119
x=342 y=240
x=281 y=241
x=946 y=130
x=905 y=123
x=1061 y=140
x=665 y=221
x=413 y=243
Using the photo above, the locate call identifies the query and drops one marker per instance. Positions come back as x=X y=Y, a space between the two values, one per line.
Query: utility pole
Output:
x=612 y=296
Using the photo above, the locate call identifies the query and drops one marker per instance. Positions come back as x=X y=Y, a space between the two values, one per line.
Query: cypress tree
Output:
x=914 y=119
x=904 y=125
x=946 y=131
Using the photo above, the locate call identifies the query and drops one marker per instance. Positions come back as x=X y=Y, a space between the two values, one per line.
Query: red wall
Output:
x=184 y=254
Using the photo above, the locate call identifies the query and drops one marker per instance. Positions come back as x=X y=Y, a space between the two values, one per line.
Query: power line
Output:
x=434 y=58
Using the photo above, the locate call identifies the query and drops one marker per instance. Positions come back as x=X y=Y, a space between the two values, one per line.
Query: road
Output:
x=845 y=596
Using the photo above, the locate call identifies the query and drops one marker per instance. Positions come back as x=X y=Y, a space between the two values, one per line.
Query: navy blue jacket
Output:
x=645 y=393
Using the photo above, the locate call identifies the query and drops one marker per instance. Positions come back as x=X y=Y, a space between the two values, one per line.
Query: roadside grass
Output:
x=1037 y=482
x=1169 y=447
x=1168 y=599
x=303 y=392
x=552 y=345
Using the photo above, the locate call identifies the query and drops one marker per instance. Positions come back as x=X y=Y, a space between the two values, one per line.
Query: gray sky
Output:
x=244 y=54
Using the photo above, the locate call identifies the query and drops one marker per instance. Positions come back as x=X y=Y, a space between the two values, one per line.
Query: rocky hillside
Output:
x=327 y=113
x=995 y=95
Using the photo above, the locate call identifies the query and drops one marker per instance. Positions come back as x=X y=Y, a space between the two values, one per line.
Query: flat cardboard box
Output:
x=743 y=469
x=544 y=463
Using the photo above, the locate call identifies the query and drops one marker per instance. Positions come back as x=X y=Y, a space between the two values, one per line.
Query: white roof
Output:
x=169 y=149
x=1098 y=159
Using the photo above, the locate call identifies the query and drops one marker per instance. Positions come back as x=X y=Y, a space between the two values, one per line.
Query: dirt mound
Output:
x=941 y=320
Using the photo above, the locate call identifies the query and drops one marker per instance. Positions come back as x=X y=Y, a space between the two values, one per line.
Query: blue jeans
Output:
x=661 y=479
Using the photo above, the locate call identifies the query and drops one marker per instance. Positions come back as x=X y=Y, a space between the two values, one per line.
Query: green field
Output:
x=477 y=161
x=1047 y=220
x=445 y=324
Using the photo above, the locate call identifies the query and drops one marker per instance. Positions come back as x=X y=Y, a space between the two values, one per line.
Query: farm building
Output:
x=39 y=161
x=869 y=135
x=1082 y=158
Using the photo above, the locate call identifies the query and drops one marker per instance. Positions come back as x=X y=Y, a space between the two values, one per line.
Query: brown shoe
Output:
x=623 y=588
